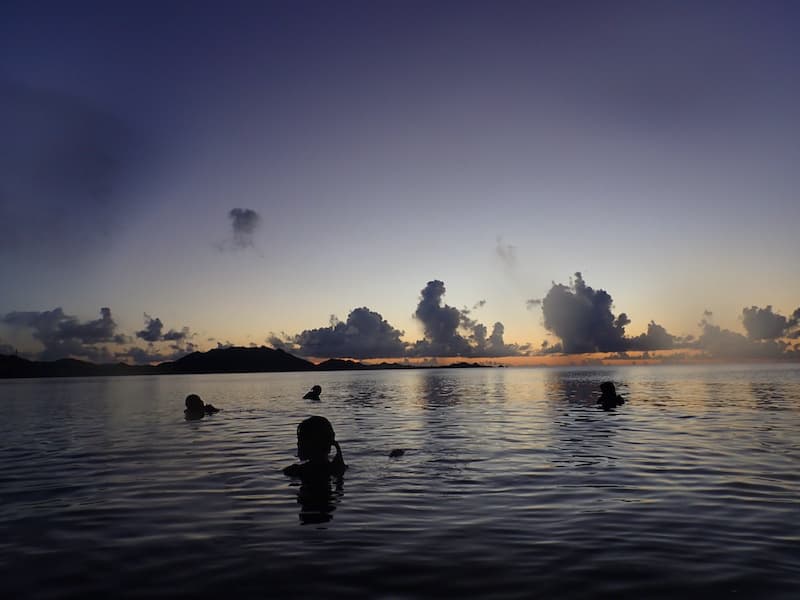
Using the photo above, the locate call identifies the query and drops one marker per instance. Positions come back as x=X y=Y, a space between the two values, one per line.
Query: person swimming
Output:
x=609 y=397
x=197 y=409
x=315 y=437
x=313 y=393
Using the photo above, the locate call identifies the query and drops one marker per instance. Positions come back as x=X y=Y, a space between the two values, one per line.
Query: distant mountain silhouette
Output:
x=338 y=364
x=237 y=360
x=219 y=360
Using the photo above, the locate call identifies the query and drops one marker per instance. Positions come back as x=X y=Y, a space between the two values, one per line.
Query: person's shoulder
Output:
x=293 y=470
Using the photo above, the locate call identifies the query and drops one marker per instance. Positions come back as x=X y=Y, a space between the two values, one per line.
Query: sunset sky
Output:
x=241 y=171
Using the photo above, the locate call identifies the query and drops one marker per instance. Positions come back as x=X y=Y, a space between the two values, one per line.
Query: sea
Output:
x=511 y=483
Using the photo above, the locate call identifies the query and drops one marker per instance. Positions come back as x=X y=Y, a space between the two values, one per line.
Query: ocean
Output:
x=512 y=484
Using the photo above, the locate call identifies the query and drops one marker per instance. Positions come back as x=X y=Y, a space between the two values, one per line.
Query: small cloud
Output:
x=507 y=253
x=245 y=222
x=533 y=303
x=153 y=328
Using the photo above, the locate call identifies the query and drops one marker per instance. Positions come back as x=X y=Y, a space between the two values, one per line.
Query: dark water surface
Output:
x=513 y=485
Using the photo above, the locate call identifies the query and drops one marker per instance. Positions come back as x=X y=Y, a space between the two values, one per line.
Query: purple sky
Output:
x=497 y=147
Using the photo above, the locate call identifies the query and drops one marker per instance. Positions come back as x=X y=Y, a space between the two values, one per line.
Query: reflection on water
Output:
x=318 y=497
x=513 y=484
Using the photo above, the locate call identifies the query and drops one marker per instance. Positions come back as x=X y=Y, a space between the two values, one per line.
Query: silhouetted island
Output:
x=219 y=360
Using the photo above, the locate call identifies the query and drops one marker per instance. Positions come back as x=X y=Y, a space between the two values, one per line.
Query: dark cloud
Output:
x=440 y=323
x=365 y=334
x=153 y=329
x=656 y=338
x=763 y=324
x=244 y=222
x=451 y=332
x=64 y=336
x=581 y=317
x=64 y=164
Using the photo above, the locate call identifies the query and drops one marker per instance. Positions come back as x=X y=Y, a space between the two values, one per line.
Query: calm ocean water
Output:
x=513 y=485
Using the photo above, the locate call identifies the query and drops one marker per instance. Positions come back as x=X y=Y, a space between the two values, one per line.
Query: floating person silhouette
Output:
x=313 y=393
x=609 y=398
x=315 y=437
x=197 y=409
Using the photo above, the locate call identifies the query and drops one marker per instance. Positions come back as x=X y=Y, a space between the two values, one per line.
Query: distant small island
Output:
x=219 y=360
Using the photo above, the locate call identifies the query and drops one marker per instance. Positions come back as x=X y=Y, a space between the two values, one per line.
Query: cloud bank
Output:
x=64 y=335
x=365 y=334
x=583 y=320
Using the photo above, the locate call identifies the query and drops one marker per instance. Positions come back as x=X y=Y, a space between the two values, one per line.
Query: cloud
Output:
x=507 y=253
x=451 y=332
x=533 y=303
x=581 y=317
x=656 y=338
x=244 y=222
x=64 y=165
x=64 y=335
x=763 y=324
x=723 y=343
x=152 y=331
x=440 y=323
x=365 y=334
x=154 y=354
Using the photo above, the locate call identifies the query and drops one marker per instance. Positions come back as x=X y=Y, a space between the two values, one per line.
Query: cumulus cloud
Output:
x=452 y=332
x=656 y=338
x=64 y=335
x=763 y=324
x=581 y=317
x=153 y=331
x=440 y=323
x=365 y=334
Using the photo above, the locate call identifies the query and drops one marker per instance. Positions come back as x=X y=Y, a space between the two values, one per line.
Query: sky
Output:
x=357 y=178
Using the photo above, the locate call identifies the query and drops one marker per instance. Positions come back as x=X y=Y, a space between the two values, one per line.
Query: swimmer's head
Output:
x=315 y=437
x=194 y=403
x=608 y=388
x=317 y=389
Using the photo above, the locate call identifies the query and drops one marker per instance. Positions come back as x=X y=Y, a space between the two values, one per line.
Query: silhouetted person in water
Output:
x=196 y=409
x=609 y=397
x=313 y=393
x=315 y=437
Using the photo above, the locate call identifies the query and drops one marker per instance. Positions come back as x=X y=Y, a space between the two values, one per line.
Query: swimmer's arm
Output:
x=337 y=464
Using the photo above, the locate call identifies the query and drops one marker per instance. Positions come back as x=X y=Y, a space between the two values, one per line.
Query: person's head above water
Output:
x=608 y=389
x=314 y=393
x=196 y=408
x=194 y=404
x=315 y=437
